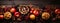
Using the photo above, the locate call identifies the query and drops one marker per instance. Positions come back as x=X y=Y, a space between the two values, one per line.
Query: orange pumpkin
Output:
x=32 y=16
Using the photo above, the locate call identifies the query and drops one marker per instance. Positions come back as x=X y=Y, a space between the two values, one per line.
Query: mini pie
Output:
x=7 y=15
x=45 y=15
x=23 y=9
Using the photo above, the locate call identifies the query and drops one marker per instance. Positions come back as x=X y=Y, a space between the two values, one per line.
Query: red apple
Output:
x=16 y=14
x=12 y=10
x=32 y=9
x=1 y=16
x=35 y=12
x=57 y=11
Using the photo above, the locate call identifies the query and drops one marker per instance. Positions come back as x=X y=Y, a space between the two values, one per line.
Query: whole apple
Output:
x=57 y=11
x=1 y=17
x=16 y=14
x=12 y=10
